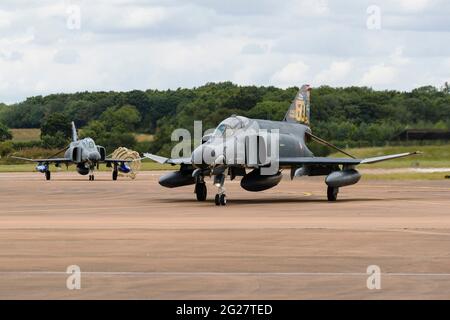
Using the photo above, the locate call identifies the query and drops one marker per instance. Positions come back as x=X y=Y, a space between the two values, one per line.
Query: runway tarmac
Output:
x=137 y=240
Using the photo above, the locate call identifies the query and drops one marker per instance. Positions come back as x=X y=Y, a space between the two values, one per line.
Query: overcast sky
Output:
x=45 y=47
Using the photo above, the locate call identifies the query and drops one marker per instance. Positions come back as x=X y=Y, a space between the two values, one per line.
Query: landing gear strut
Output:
x=47 y=175
x=115 y=173
x=220 y=198
x=332 y=193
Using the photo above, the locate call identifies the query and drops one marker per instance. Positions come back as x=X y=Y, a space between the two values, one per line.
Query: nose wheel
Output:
x=47 y=175
x=91 y=174
x=221 y=198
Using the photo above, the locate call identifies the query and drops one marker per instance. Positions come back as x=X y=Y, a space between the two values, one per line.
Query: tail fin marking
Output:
x=299 y=111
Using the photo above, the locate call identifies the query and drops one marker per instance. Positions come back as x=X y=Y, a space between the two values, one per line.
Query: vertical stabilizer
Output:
x=74 y=132
x=299 y=111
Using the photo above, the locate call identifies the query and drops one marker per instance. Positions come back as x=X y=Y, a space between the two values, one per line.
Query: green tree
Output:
x=123 y=119
x=5 y=134
x=270 y=110
x=54 y=123
x=114 y=127
x=57 y=140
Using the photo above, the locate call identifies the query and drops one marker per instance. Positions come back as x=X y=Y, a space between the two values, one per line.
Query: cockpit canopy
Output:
x=88 y=143
x=229 y=126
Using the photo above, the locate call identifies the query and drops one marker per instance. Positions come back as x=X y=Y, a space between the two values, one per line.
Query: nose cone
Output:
x=208 y=155
x=94 y=156
x=204 y=155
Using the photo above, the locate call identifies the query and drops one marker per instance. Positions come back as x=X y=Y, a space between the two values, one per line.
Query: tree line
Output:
x=351 y=116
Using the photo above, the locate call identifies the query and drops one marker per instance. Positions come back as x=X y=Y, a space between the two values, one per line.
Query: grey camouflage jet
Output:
x=85 y=154
x=213 y=156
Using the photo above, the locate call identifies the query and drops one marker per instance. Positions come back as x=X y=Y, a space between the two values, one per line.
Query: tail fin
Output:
x=74 y=132
x=299 y=111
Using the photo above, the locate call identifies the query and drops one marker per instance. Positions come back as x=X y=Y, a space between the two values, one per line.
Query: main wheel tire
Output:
x=201 y=191
x=114 y=175
x=217 y=200
x=223 y=199
x=47 y=175
x=93 y=178
x=332 y=193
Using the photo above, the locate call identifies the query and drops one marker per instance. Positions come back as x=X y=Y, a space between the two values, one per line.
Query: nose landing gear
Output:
x=220 y=198
x=91 y=174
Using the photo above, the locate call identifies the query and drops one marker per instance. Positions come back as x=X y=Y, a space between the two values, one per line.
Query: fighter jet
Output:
x=288 y=138
x=85 y=154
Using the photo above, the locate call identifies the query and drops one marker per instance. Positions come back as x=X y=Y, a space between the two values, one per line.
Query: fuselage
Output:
x=84 y=150
x=248 y=142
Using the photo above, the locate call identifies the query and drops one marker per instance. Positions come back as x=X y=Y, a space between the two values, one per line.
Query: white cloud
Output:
x=397 y=57
x=291 y=75
x=138 y=44
x=5 y=19
x=414 y=5
x=309 y=8
x=66 y=56
x=337 y=71
x=379 y=75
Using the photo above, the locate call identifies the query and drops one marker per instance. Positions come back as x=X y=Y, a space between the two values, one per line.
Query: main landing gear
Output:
x=115 y=173
x=201 y=191
x=220 y=198
x=332 y=193
x=47 y=175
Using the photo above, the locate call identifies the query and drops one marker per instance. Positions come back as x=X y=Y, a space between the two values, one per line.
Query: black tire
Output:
x=332 y=193
x=47 y=175
x=201 y=191
x=223 y=199
x=114 y=175
x=217 y=200
x=93 y=178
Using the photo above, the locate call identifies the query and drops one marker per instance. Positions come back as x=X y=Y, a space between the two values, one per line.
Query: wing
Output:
x=289 y=161
x=389 y=157
x=164 y=160
x=50 y=160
